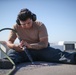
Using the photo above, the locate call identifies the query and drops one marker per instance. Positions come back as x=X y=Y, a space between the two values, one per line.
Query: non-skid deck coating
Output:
x=44 y=68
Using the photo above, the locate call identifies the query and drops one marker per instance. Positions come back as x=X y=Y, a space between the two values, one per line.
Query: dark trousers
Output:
x=48 y=54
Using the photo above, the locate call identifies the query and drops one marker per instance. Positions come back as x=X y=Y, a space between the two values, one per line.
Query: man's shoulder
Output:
x=15 y=26
x=38 y=23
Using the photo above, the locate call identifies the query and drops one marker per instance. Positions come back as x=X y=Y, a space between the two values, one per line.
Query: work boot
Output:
x=5 y=64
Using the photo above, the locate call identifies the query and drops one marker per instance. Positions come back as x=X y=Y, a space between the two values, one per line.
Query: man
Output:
x=33 y=35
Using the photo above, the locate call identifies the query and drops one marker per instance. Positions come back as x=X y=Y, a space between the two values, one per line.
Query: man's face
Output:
x=26 y=24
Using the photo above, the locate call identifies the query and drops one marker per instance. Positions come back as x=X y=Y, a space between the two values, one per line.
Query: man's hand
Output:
x=13 y=46
x=17 y=48
x=24 y=43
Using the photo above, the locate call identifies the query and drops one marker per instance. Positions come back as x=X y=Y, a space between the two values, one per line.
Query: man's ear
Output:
x=18 y=22
x=34 y=17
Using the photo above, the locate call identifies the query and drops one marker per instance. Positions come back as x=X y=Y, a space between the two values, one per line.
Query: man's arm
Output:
x=10 y=42
x=40 y=45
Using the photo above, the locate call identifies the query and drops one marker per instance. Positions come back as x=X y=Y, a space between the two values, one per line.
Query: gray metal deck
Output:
x=44 y=68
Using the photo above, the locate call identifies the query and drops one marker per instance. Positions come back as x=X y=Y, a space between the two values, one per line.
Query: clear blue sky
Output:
x=59 y=16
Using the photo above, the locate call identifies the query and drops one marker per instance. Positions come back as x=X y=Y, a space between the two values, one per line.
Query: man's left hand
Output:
x=24 y=43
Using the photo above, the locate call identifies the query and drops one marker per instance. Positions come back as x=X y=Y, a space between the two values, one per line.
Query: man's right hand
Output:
x=17 y=48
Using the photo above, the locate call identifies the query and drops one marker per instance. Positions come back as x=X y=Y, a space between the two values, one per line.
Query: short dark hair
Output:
x=24 y=14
